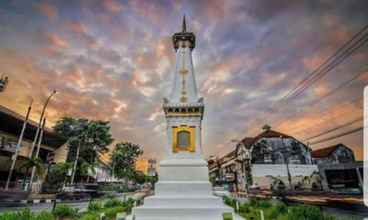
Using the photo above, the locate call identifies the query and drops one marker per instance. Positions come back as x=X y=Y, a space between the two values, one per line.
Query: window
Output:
x=183 y=139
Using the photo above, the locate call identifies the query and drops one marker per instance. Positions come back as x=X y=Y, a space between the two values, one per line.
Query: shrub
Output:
x=44 y=215
x=303 y=212
x=65 y=211
x=8 y=216
x=90 y=216
x=113 y=203
x=111 y=212
x=95 y=206
x=276 y=210
x=227 y=216
x=230 y=201
x=26 y=214
x=129 y=204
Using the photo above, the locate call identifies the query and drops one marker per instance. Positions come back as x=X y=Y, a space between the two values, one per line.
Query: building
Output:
x=52 y=147
x=267 y=159
x=338 y=169
x=335 y=154
x=152 y=167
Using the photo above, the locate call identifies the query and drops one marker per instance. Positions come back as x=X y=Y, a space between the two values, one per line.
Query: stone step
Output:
x=164 y=213
x=185 y=188
x=187 y=201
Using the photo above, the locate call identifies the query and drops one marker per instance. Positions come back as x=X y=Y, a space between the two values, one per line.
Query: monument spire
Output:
x=183 y=190
x=184 y=88
x=184 y=26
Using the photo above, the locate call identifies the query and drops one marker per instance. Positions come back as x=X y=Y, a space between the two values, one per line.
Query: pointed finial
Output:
x=184 y=28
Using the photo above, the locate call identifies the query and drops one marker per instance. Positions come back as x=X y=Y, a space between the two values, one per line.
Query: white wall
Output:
x=275 y=170
x=297 y=171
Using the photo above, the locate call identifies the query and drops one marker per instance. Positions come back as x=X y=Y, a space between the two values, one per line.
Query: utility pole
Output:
x=15 y=156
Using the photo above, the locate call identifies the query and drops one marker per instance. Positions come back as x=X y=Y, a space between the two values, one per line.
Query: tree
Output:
x=56 y=177
x=40 y=168
x=85 y=139
x=123 y=159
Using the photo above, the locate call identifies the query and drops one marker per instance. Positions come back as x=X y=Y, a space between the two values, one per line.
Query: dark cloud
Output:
x=113 y=60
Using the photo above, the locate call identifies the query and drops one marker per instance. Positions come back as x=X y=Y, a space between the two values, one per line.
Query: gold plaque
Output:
x=183 y=139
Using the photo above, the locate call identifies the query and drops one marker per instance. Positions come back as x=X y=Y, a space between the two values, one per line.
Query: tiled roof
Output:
x=249 y=141
x=324 y=152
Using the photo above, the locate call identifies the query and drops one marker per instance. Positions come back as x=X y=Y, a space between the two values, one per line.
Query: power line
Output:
x=334 y=129
x=331 y=66
x=337 y=89
x=338 y=136
x=301 y=86
x=298 y=131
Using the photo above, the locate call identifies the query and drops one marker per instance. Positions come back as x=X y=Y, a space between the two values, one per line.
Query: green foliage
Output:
x=26 y=214
x=95 y=206
x=113 y=203
x=90 y=216
x=62 y=211
x=280 y=211
x=276 y=210
x=129 y=204
x=110 y=213
x=34 y=162
x=56 y=176
x=91 y=136
x=227 y=216
x=304 y=212
x=123 y=159
x=230 y=201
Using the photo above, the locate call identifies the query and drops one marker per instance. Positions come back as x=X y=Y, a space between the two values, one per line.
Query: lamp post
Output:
x=39 y=122
x=38 y=131
x=3 y=83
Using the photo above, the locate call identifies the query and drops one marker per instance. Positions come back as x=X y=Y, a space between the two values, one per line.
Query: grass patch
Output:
x=275 y=210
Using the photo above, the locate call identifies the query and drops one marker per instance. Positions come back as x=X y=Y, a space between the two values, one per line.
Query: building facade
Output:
x=338 y=169
x=335 y=154
x=262 y=161
x=52 y=149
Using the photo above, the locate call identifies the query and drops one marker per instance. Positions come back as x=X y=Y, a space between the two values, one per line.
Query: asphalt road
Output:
x=82 y=206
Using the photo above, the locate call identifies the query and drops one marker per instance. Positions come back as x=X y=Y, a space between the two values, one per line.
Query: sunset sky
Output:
x=113 y=60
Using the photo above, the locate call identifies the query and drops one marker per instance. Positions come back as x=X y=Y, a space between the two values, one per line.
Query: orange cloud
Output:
x=56 y=41
x=77 y=27
x=317 y=121
x=364 y=77
x=47 y=9
x=112 y=6
x=321 y=90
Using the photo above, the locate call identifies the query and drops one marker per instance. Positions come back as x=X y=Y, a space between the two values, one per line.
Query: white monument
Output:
x=183 y=191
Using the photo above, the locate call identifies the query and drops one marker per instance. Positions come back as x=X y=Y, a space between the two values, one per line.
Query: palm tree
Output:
x=40 y=168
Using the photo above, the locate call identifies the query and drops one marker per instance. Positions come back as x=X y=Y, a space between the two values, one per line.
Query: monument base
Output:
x=182 y=193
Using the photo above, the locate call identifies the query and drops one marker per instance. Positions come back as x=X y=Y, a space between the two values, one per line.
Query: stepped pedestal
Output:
x=182 y=193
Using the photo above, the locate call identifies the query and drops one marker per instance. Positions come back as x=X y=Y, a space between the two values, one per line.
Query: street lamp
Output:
x=41 y=121
x=3 y=83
